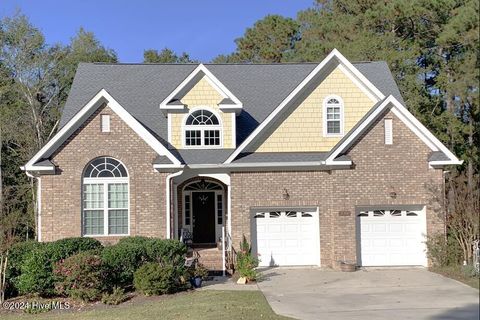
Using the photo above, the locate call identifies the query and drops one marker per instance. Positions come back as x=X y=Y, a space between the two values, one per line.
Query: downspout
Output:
x=168 y=197
x=38 y=205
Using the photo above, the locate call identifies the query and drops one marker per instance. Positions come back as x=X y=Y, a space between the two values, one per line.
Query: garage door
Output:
x=286 y=238
x=392 y=237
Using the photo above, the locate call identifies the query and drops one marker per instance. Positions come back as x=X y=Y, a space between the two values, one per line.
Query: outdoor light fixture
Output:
x=285 y=194
x=393 y=194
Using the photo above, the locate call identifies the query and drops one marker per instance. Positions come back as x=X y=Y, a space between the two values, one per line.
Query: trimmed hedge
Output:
x=36 y=271
x=124 y=258
x=153 y=278
x=80 y=276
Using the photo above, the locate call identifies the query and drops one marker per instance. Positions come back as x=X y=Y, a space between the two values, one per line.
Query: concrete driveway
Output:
x=368 y=294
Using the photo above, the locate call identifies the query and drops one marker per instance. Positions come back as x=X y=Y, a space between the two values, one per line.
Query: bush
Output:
x=36 y=267
x=443 y=252
x=16 y=257
x=129 y=254
x=246 y=262
x=116 y=297
x=153 y=278
x=67 y=247
x=36 y=274
x=80 y=276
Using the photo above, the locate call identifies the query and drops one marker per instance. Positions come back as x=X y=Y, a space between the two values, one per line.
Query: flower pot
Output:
x=197 y=282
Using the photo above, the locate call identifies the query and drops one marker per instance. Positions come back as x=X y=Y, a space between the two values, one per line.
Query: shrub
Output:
x=246 y=262
x=80 y=276
x=125 y=257
x=443 y=252
x=67 y=247
x=16 y=257
x=116 y=297
x=36 y=266
x=153 y=278
x=36 y=274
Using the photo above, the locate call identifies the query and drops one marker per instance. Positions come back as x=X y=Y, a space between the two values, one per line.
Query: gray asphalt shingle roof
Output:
x=140 y=88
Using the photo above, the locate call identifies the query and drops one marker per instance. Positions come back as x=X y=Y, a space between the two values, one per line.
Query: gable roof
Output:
x=139 y=88
x=229 y=101
x=441 y=154
x=38 y=163
x=335 y=58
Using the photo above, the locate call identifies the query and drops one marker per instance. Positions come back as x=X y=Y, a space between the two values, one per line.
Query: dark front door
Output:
x=203 y=217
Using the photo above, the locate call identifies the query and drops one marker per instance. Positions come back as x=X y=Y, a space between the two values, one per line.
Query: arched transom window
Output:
x=105 y=198
x=202 y=129
x=333 y=117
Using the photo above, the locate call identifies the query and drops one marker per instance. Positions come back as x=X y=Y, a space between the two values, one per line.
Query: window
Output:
x=105 y=126
x=388 y=131
x=202 y=129
x=333 y=117
x=105 y=198
x=187 y=210
x=219 y=209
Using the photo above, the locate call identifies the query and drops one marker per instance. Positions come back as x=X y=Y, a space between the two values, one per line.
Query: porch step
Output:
x=211 y=258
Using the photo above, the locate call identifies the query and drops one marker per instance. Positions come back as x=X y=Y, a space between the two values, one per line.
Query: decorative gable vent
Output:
x=105 y=125
x=388 y=131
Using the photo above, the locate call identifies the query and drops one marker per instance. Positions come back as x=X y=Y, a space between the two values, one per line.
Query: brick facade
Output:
x=379 y=170
x=61 y=193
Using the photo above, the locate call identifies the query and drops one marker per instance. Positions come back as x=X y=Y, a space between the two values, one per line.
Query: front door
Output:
x=203 y=217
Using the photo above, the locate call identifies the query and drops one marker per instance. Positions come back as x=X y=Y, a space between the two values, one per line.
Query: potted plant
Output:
x=197 y=273
x=246 y=263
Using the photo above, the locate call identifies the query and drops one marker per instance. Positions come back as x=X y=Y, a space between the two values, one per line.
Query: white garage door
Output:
x=286 y=238
x=392 y=237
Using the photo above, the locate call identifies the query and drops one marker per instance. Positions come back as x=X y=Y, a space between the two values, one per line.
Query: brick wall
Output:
x=378 y=168
x=61 y=193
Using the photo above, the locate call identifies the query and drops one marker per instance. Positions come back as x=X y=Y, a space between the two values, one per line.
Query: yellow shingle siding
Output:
x=201 y=95
x=302 y=130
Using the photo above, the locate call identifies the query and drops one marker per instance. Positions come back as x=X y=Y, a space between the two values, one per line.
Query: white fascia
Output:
x=410 y=121
x=101 y=97
x=214 y=82
x=333 y=56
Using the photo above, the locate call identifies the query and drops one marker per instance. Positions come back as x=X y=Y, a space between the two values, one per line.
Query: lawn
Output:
x=192 y=305
x=458 y=273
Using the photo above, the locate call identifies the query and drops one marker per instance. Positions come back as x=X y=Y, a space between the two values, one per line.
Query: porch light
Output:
x=285 y=194
x=392 y=193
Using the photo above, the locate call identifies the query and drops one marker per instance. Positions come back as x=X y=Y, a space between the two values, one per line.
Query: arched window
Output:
x=333 y=116
x=105 y=198
x=202 y=129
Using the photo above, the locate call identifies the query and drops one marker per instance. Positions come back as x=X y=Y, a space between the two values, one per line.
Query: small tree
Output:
x=463 y=220
x=8 y=223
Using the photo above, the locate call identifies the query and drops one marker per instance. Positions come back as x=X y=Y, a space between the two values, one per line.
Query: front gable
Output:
x=201 y=95
x=303 y=127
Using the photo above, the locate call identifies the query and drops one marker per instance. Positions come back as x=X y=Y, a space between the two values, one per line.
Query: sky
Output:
x=202 y=28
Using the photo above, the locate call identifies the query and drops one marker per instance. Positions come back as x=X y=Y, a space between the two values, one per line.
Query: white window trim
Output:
x=342 y=117
x=106 y=182
x=202 y=128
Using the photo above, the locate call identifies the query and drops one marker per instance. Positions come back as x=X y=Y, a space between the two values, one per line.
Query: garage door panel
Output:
x=390 y=237
x=288 y=238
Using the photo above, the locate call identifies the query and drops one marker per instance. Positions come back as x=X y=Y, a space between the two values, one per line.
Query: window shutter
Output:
x=388 y=131
x=105 y=123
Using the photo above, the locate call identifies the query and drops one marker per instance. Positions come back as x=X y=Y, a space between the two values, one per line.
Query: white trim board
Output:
x=213 y=81
x=74 y=123
x=406 y=117
x=334 y=57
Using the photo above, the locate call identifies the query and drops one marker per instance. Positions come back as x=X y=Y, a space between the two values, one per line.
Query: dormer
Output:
x=201 y=113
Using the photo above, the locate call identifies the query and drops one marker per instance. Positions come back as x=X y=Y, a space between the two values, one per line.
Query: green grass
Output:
x=201 y=305
x=459 y=273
